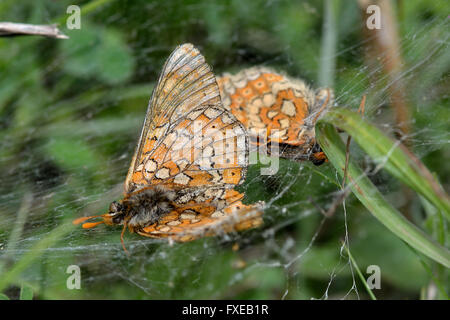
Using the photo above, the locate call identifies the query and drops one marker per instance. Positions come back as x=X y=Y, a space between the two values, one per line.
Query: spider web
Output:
x=69 y=134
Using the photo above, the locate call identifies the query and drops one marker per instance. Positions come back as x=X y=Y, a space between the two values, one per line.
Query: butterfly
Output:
x=191 y=154
x=282 y=109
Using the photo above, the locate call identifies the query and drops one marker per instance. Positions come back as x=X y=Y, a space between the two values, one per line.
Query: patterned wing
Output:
x=206 y=147
x=191 y=144
x=186 y=84
x=265 y=100
x=206 y=212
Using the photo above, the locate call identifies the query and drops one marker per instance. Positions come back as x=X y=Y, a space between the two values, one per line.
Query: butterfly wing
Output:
x=206 y=212
x=186 y=83
x=263 y=99
x=206 y=147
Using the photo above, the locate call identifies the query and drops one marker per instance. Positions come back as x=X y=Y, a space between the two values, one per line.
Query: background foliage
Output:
x=71 y=111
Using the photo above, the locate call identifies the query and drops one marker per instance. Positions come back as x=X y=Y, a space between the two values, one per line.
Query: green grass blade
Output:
x=3 y=297
x=392 y=155
x=34 y=253
x=365 y=191
x=439 y=285
x=361 y=277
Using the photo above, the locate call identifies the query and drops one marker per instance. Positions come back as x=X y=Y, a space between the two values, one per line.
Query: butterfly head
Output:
x=116 y=213
x=114 y=216
x=317 y=156
x=324 y=100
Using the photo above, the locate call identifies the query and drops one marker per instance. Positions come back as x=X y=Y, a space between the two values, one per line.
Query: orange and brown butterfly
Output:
x=280 y=108
x=191 y=154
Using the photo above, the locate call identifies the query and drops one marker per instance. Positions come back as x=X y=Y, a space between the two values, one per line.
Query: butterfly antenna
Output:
x=324 y=105
x=89 y=225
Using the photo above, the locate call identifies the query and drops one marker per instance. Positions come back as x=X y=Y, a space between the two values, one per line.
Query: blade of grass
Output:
x=3 y=297
x=361 y=277
x=50 y=239
x=392 y=156
x=16 y=232
x=35 y=252
x=328 y=46
x=368 y=194
x=439 y=285
x=17 y=229
x=438 y=227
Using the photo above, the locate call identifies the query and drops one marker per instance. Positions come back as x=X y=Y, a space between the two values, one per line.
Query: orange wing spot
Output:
x=138 y=178
x=247 y=93
x=261 y=85
x=238 y=107
x=232 y=195
x=272 y=77
x=173 y=168
x=199 y=178
x=148 y=146
x=213 y=128
x=159 y=154
x=186 y=124
x=232 y=176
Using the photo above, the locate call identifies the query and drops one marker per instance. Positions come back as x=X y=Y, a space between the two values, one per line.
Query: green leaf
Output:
x=97 y=52
x=63 y=151
x=380 y=147
x=115 y=63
